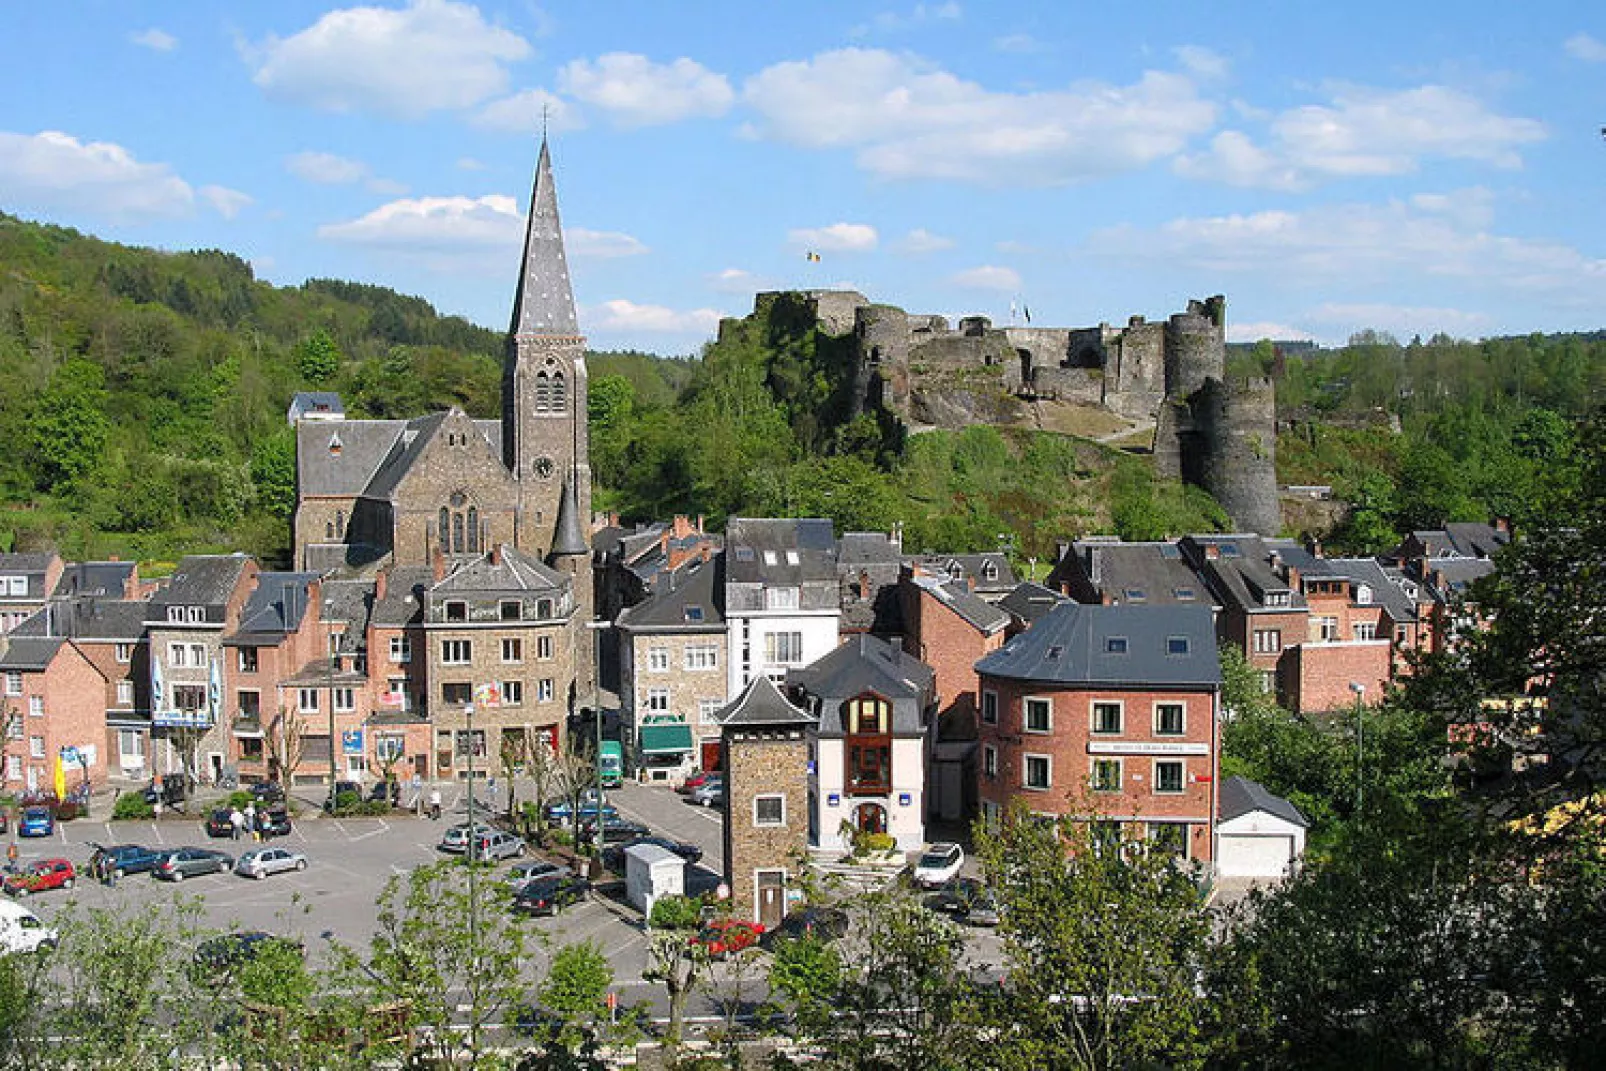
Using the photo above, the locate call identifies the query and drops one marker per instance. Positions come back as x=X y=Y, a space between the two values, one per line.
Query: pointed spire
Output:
x=568 y=539
x=544 y=302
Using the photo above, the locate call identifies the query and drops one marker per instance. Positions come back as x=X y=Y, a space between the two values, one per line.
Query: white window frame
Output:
x=657 y=660
x=13 y=682
x=36 y=706
x=307 y=700
x=36 y=747
x=512 y=693
x=198 y=655
x=175 y=614
x=700 y=657
x=544 y=690
x=656 y=701
x=1026 y=761
x=1120 y=774
x=1093 y=717
x=512 y=650
x=772 y=648
x=1183 y=707
x=1030 y=702
x=707 y=708
x=989 y=707
x=125 y=693
x=178 y=655
x=989 y=761
x=401 y=649
x=345 y=700
x=543 y=648
x=1182 y=777
x=17 y=587
x=1325 y=629
x=1364 y=630
x=457 y=652
x=1268 y=640
x=767 y=797
x=124 y=653
x=781 y=598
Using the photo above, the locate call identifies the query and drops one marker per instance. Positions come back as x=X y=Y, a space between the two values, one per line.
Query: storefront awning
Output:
x=663 y=739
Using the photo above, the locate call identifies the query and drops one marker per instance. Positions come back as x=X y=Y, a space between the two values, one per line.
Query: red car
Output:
x=724 y=936
x=697 y=779
x=37 y=877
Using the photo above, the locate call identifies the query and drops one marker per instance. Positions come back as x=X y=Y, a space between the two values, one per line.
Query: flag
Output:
x=61 y=779
x=811 y=255
x=1013 y=311
x=488 y=694
x=1027 y=309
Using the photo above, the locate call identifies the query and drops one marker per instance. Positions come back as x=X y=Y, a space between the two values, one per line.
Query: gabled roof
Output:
x=86 y=619
x=1241 y=796
x=403 y=604
x=404 y=451
x=868 y=664
x=690 y=599
x=106 y=580
x=1385 y=591
x=989 y=569
x=867 y=548
x=1076 y=643
x=1240 y=573
x=340 y=457
x=30 y=654
x=780 y=550
x=199 y=580
x=1152 y=572
x=543 y=304
x=32 y=566
x=516 y=571
x=274 y=609
x=326 y=404
x=981 y=615
x=351 y=602
x=1455 y=575
x=1030 y=601
x=761 y=704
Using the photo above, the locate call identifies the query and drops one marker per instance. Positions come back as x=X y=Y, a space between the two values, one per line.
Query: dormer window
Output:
x=791 y=557
x=780 y=598
x=956 y=571
x=511 y=610
x=457 y=610
x=989 y=570
x=1277 y=598
x=770 y=558
x=175 y=614
x=335 y=445
x=543 y=608
x=1134 y=594
x=694 y=615
x=1176 y=645
x=1363 y=594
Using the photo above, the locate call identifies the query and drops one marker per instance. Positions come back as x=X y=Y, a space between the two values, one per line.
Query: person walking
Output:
x=237 y=822
x=251 y=821
x=435 y=804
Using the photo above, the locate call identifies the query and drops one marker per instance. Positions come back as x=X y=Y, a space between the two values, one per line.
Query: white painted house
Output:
x=1259 y=834
x=782 y=606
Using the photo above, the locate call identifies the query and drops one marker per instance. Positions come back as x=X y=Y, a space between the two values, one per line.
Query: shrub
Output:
x=873 y=843
x=66 y=811
x=238 y=800
x=131 y=805
x=676 y=913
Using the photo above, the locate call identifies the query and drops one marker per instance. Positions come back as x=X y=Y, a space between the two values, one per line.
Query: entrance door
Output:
x=871 y=818
x=771 y=897
x=711 y=755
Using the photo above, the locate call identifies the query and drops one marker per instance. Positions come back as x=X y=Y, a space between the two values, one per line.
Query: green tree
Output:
x=575 y=990
x=70 y=427
x=273 y=472
x=318 y=358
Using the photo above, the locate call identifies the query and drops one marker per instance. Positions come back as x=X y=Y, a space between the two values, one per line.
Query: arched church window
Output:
x=446 y=530
x=457 y=533
x=473 y=530
x=328 y=529
x=560 y=400
x=340 y=524
x=543 y=392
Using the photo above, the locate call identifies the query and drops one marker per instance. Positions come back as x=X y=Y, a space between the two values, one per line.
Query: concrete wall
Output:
x=819 y=633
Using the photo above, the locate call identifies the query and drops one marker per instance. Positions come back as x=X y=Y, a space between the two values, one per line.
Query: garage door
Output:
x=1254 y=857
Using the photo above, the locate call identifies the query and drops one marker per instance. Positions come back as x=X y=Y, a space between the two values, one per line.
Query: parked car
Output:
x=561 y=809
x=615 y=830
x=274 y=822
x=708 y=794
x=5 y=820
x=42 y=875
x=613 y=856
x=125 y=859
x=722 y=937
x=170 y=790
x=826 y=923
x=496 y=844
x=218 y=823
x=698 y=780
x=21 y=930
x=191 y=862
x=521 y=874
x=967 y=900
x=216 y=957
x=549 y=895
x=939 y=865
x=36 y=822
x=267 y=792
x=260 y=862
x=455 y=839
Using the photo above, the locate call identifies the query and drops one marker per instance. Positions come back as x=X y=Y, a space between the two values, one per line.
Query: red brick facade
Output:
x=58 y=706
x=951 y=646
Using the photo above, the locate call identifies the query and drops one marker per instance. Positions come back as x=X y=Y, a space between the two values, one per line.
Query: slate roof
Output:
x=1029 y=601
x=105 y=580
x=199 y=580
x=364 y=445
x=697 y=584
x=404 y=451
x=867 y=548
x=760 y=704
x=771 y=552
x=1463 y=539
x=403 y=604
x=868 y=564
x=517 y=571
x=568 y=539
x=868 y=664
x=954 y=594
x=1242 y=574
x=1071 y=644
x=33 y=566
x=1385 y=590
x=350 y=601
x=543 y=304
x=87 y=619
x=274 y=609
x=973 y=566
x=1152 y=572
x=1240 y=796
x=1455 y=575
x=315 y=401
x=29 y=654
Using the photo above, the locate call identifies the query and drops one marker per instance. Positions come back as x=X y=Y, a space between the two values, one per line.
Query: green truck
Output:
x=611 y=764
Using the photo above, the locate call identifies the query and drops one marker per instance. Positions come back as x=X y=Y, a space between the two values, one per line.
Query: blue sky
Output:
x=1412 y=168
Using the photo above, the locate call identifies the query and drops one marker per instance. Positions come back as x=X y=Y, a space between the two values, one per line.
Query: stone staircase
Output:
x=839 y=869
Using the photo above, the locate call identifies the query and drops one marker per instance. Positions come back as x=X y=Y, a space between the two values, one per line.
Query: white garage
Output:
x=1259 y=834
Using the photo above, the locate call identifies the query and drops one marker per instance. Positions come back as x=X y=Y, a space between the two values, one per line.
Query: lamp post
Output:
x=329 y=680
x=473 y=900
x=1360 y=751
x=601 y=797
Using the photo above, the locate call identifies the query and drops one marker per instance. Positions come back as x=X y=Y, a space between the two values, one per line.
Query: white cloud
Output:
x=921 y=240
x=1583 y=46
x=919 y=15
x=1202 y=62
x=908 y=118
x=620 y=315
x=1365 y=132
x=446 y=233
x=522 y=113
x=988 y=277
x=1402 y=321
x=600 y=245
x=53 y=171
x=634 y=91
x=386 y=187
x=837 y=238
x=468 y=163
x=224 y=201
x=737 y=281
x=326 y=168
x=154 y=39
x=432 y=55
x=1254 y=332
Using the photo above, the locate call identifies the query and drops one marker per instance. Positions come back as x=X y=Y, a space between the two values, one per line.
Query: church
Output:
x=487 y=519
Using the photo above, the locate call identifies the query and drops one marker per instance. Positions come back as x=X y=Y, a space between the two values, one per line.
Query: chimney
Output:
x=437 y=562
x=1501 y=525
x=1314 y=546
x=496 y=554
x=1291 y=575
x=682 y=526
x=699 y=524
x=1212 y=552
x=896 y=538
x=114 y=558
x=381 y=585
x=864 y=584
x=131 y=584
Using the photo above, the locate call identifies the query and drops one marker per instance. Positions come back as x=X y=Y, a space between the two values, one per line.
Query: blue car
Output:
x=36 y=822
x=560 y=810
x=126 y=859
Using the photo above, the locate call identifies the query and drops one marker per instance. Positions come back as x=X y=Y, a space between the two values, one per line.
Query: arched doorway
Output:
x=870 y=818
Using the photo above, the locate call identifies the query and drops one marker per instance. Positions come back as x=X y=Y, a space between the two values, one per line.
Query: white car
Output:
x=938 y=864
x=260 y=862
x=21 y=930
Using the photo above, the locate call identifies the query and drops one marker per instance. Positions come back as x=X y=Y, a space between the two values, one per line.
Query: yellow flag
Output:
x=61 y=778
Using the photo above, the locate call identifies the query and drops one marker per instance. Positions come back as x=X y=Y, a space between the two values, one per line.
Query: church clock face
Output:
x=544 y=467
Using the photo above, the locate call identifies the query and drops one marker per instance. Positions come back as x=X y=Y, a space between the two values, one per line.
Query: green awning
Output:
x=660 y=739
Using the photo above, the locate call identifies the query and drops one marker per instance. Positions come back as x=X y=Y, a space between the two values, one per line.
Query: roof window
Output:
x=1176 y=645
x=1184 y=594
x=694 y=614
x=1115 y=645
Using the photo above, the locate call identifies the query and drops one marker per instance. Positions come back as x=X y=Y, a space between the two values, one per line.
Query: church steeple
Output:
x=568 y=538
x=544 y=302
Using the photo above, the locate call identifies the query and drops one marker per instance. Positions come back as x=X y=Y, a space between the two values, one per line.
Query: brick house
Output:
x=987 y=574
x=672 y=659
x=767 y=743
x=26 y=582
x=51 y=698
x=875 y=708
x=949 y=628
x=1108 y=713
x=508 y=621
x=397 y=664
x=280 y=631
x=186 y=621
x=782 y=604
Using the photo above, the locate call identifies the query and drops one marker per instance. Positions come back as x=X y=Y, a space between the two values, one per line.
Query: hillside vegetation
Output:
x=148 y=391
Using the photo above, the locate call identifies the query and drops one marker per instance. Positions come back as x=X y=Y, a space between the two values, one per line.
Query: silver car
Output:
x=260 y=862
x=455 y=839
x=708 y=794
x=521 y=874
x=495 y=844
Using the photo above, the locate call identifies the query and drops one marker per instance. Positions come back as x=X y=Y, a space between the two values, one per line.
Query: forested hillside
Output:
x=148 y=391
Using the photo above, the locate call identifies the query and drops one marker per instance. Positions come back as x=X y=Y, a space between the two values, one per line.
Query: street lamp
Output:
x=473 y=901
x=1360 y=753
x=329 y=679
